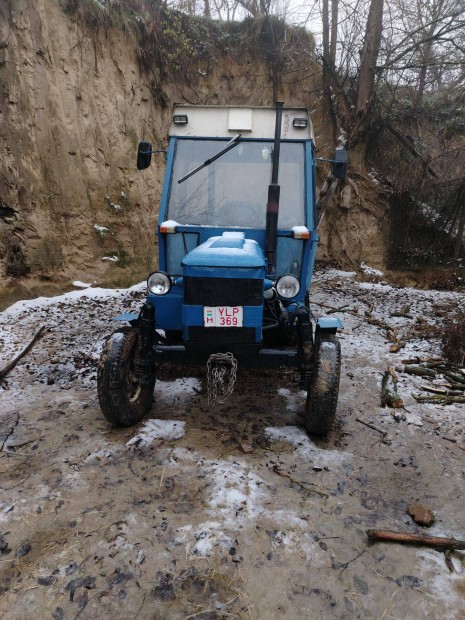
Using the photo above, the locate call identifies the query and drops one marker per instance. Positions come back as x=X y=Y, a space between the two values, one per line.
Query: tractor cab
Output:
x=237 y=243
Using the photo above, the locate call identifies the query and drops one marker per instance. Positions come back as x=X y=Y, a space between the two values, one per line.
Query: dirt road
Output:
x=172 y=519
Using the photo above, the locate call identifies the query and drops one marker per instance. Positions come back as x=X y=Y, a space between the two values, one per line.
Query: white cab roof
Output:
x=210 y=121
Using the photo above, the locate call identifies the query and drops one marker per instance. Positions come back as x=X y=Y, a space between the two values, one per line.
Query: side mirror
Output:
x=340 y=164
x=144 y=155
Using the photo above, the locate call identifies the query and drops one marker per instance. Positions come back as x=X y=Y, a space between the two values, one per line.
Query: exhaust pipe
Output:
x=272 y=207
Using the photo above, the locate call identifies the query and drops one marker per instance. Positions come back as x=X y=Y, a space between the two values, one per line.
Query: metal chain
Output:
x=219 y=365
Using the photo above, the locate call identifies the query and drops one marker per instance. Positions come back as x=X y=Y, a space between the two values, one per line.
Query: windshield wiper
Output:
x=230 y=145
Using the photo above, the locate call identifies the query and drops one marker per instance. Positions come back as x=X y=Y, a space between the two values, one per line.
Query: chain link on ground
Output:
x=219 y=385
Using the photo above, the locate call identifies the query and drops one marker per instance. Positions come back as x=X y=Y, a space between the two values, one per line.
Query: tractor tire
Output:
x=320 y=407
x=124 y=398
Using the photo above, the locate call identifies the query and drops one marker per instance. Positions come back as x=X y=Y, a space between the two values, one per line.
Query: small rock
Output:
x=71 y=568
x=408 y=581
x=360 y=585
x=58 y=614
x=46 y=581
x=421 y=514
x=246 y=448
x=3 y=545
x=23 y=550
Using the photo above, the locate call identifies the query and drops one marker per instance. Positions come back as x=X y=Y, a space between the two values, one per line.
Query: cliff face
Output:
x=73 y=105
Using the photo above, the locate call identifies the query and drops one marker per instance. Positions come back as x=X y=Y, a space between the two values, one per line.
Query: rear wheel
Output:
x=124 y=396
x=320 y=408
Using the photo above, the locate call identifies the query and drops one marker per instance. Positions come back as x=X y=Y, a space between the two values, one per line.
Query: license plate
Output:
x=223 y=316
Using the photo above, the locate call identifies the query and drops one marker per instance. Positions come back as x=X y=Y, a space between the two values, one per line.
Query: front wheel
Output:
x=125 y=397
x=320 y=408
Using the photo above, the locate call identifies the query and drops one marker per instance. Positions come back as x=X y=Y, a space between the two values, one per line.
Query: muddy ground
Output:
x=172 y=519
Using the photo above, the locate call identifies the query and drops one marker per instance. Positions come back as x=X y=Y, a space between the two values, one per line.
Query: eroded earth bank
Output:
x=231 y=512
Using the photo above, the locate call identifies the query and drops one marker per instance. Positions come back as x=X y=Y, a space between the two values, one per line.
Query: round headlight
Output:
x=288 y=286
x=158 y=283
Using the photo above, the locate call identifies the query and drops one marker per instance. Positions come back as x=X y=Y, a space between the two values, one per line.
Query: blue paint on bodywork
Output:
x=127 y=316
x=168 y=309
x=329 y=324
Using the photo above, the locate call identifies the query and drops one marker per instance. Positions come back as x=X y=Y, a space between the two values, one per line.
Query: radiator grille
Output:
x=223 y=292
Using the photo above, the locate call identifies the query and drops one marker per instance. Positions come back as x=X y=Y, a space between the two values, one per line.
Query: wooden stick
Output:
x=4 y=371
x=415 y=539
x=302 y=485
x=373 y=428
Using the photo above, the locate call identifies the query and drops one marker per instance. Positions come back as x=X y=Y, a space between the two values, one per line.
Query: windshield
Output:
x=233 y=190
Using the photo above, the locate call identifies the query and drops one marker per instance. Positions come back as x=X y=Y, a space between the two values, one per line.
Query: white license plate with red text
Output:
x=223 y=316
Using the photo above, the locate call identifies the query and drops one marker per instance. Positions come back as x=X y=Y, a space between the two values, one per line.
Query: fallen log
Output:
x=420 y=371
x=415 y=539
x=453 y=378
x=9 y=367
x=419 y=360
x=439 y=399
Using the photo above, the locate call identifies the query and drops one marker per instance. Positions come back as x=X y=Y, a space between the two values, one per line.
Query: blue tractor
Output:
x=237 y=237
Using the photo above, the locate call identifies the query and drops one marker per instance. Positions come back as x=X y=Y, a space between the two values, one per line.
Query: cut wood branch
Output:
x=419 y=360
x=415 y=539
x=428 y=388
x=438 y=399
x=9 y=367
x=420 y=371
x=389 y=395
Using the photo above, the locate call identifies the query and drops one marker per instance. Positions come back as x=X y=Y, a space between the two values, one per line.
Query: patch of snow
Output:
x=209 y=535
x=299 y=231
x=203 y=539
x=235 y=492
x=158 y=429
x=371 y=271
x=294 y=401
x=179 y=390
x=177 y=454
x=98 y=457
x=80 y=284
x=292 y=434
x=437 y=580
x=305 y=448
x=102 y=230
x=333 y=274
x=232 y=234
x=169 y=224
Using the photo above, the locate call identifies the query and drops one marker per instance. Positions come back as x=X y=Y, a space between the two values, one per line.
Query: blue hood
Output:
x=229 y=250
